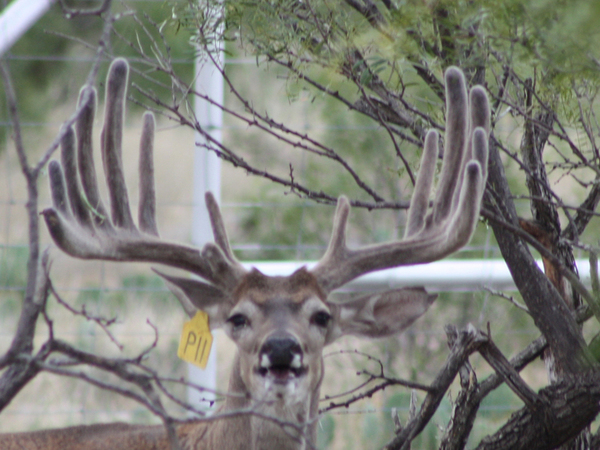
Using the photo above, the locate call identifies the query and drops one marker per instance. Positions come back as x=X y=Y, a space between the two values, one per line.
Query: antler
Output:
x=79 y=222
x=430 y=234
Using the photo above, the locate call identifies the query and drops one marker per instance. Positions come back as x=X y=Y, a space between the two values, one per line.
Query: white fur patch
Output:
x=296 y=362
x=265 y=362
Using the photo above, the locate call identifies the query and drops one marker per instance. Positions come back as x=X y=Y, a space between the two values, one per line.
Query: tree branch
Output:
x=467 y=342
x=573 y=404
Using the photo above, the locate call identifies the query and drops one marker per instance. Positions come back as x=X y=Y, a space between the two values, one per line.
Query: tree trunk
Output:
x=548 y=310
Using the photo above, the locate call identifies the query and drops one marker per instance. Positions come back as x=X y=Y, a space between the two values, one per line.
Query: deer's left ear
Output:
x=379 y=315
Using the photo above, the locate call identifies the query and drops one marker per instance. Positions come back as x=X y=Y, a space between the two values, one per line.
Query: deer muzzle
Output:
x=280 y=358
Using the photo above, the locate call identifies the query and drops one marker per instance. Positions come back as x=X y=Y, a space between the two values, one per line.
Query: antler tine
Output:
x=69 y=163
x=218 y=226
x=456 y=139
x=78 y=222
x=419 y=204
x=59 y=192
x=227 y=263
x=480 y=108
x=85 y=157
x=479 y=125
x=337 y=243
x=111 y=139
x=451 y=222
x=338 y=235
x=147 y=206
x=463 y=222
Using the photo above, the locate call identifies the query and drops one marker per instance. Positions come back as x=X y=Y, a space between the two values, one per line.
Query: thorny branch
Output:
x=226 y=153
x=268 y=125
x=271 y=127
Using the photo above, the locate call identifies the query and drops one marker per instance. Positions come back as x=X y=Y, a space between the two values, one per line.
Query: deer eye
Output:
x=320 y=318
x=238 y=321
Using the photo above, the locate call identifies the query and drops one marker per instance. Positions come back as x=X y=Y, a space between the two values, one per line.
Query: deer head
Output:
x=279 y=324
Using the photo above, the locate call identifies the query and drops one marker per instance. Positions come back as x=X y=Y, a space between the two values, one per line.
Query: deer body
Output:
x=280 y=325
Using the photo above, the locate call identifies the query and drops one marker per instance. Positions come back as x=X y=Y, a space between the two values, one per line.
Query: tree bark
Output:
x=572 y=404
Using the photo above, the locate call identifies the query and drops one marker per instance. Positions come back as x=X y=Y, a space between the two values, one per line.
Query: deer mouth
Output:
x=281 y=373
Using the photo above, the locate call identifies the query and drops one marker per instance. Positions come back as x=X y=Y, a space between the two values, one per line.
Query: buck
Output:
x=280 y=325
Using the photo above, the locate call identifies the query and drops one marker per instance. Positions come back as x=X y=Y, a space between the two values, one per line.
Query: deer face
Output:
x=280 y=326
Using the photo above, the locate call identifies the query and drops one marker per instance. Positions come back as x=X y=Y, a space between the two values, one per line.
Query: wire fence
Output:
x=265 y=222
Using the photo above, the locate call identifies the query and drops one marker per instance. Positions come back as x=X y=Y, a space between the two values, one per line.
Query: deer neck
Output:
x=262 y=434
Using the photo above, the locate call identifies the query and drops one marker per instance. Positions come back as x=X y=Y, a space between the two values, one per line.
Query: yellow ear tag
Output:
x=196 y=340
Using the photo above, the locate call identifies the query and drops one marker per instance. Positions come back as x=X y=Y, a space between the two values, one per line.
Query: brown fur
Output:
x=110 y=436
x=298 y=287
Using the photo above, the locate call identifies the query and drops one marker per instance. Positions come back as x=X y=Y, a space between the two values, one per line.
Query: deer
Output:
x=279 y=324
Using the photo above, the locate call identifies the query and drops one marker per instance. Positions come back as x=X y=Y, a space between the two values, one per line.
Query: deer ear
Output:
x=194 y=295
x=381 y=314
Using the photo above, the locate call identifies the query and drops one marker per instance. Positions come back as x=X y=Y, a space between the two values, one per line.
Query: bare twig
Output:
x=102 y=322
x=510 y=298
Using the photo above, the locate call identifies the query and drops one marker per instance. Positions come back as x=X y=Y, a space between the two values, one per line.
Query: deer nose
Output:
x=281 y=352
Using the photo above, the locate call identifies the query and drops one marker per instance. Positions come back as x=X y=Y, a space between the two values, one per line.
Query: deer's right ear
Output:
x=194 y=295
